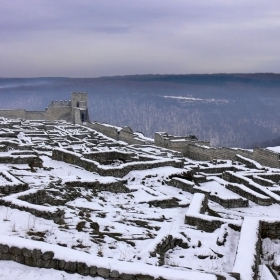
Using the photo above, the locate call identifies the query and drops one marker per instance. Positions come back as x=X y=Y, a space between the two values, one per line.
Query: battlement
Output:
x=74 y=110
x=60 y=103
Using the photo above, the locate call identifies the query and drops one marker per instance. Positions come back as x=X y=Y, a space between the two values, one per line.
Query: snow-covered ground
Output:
x=121 y=226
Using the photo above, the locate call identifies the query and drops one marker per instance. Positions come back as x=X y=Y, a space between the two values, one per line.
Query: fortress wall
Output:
x=180 y=146
x=58 y=113
x=197 y=152
x=77 y=116
x=60 y=103
x=224 y=153
x=51 y=113
x=160 y=139
x=126 y=135
x=200 y=152
x=109 y=131
x=13 y=114
x=35 y=115
x=266 y=157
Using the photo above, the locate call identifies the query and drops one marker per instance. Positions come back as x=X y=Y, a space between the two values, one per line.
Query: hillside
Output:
x=232 y=110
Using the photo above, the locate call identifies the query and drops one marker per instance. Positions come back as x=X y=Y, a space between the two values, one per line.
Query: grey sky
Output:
x=91 y=38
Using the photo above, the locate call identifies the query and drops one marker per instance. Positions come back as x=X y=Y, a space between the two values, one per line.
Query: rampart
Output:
x=55 y=111
x=71 y=111
x=121 y=133
x=195 y=149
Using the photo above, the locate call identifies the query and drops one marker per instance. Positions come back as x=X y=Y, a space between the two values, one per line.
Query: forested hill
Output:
x=237 y=110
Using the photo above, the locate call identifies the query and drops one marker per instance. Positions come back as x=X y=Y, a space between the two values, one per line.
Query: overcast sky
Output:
x=92 y=38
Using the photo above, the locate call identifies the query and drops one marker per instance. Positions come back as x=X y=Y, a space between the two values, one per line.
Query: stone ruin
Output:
x=127 y=198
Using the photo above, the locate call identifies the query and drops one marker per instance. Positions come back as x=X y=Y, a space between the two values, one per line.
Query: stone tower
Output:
x=79 y=107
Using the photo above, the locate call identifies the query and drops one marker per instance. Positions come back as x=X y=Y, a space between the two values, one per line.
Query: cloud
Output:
x=94 y=38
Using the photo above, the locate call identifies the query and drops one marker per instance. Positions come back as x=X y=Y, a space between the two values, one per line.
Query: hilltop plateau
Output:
x=76 y=201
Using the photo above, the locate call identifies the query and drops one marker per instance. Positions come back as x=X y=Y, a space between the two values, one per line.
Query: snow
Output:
x=14 y=271
x=265 y=274
x=215 y=188
x=255 y=163
x=129 y=228
x=275 y=149
x=245 y=258
x=196 y=204
x=130 y=268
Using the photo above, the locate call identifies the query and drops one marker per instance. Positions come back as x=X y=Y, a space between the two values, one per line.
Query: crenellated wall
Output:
x=72 y=111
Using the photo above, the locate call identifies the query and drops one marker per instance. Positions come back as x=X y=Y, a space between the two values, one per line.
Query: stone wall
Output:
x=118 y=171
x=195 y=216
x=188 y=186
x=262 y=156
x=13 y=114
x=57 y=216
x=248 y=252
x=108 y=130
x=57 y=113
x=114 y=187
x=18 y=159
x=38 y=254
x=15 y=144
x=57 y=110
x=51 y=113
x=201 y=150
x=266 y=157
x=177 y=143
x=164 y=245
x=270 y=229
x=260 y=193
x=107 y=157
x=198 y=152
x=120 y=133
x=249 y=194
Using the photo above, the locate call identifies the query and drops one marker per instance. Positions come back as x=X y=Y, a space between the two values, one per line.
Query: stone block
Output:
x=82 y=268
x=30 y=261
x=70 y=267
x=143 y=277
x=20 y=259
x=36 y=254
x=47 y=263
x=61 y=264
x=4 y=248
x=114 y=274
x=47 y=255
x=15 y=251
x=6 y=257
x=26 y=252
x=54 y=263
x=126 y=276
x=103 y=272
x=40 y=263
x=92 y=270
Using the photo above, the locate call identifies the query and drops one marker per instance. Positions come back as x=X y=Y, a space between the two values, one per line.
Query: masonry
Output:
x=196 y=149
x=74 y=110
